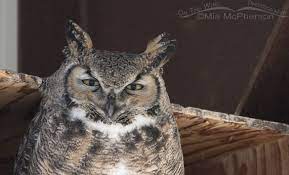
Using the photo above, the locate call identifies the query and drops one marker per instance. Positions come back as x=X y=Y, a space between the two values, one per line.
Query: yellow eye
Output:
x=90 y=82
x=134 y=87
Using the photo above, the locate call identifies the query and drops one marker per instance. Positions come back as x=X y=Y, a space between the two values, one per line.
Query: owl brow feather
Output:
x=138 y=77
x=89 y=72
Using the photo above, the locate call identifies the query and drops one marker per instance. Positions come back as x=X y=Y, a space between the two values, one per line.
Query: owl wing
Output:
x=19 y=99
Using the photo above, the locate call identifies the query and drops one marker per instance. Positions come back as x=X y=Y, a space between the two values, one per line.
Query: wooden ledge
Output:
x=235 y=146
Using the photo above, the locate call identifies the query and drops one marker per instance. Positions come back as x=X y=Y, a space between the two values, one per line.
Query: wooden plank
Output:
x=221 y=144
x=15 y=86
x=246 y=121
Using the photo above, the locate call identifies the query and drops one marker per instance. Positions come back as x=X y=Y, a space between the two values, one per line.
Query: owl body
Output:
x=68 y=147
x=104 y=113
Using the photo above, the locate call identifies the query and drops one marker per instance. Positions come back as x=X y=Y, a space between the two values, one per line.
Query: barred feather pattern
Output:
x=75 y=131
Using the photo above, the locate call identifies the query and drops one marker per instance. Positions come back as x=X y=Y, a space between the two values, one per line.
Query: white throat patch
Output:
x=113 y=131
x=120 y=169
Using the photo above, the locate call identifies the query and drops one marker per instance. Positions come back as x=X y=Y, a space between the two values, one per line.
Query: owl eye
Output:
x=135 y=87
x=90 y=82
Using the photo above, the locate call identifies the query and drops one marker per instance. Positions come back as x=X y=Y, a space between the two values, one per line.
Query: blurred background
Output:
x=224 y=62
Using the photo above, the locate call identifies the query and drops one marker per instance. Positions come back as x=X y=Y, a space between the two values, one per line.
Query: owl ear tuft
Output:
x=159 y=51
x=77 y=39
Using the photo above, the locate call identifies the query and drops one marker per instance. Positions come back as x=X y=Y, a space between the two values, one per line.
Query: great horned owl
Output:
x=104 y=113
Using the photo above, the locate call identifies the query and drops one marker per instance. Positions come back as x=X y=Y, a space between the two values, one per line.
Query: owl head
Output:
x=111 y=87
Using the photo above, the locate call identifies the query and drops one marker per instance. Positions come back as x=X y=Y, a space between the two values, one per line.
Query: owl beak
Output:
x=110 y=106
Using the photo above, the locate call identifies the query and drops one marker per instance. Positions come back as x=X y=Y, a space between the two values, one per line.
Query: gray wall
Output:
x=8 y=34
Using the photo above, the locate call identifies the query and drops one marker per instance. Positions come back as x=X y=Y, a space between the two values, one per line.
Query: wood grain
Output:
x=15 y=86
x=215 y=146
